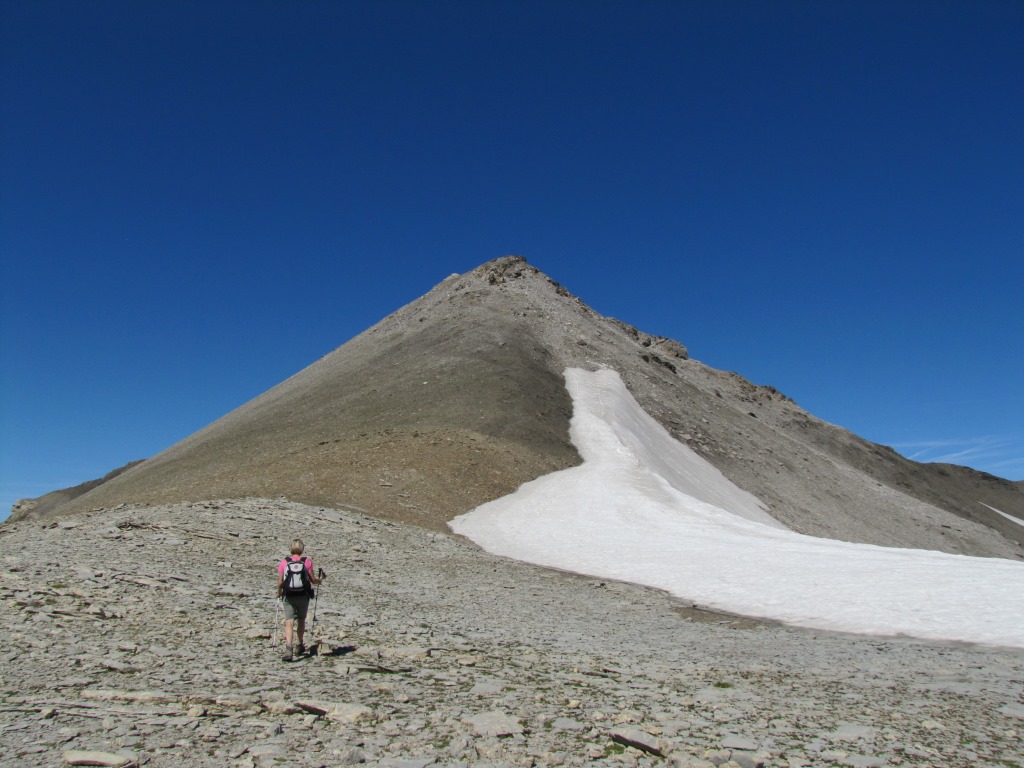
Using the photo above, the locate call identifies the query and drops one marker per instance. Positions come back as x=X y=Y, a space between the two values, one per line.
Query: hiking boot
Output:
x=287 y=656
x=300 y=650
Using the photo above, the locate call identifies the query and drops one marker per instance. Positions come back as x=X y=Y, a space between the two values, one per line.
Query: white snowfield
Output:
x=1008 y=517
x=646 y=509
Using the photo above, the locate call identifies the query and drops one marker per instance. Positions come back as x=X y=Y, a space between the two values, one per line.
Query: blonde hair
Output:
x=297 y=547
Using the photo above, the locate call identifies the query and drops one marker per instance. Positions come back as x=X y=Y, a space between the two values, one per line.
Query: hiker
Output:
x=295 y=580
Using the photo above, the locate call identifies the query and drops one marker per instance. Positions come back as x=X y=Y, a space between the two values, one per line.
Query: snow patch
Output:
x=1008 y=517
x=646 y=509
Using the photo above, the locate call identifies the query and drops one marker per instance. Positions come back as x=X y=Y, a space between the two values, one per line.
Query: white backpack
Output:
x=296 y=578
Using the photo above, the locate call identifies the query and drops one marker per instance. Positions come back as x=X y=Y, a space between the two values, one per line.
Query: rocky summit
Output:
x=142 y=628
x=146 y=636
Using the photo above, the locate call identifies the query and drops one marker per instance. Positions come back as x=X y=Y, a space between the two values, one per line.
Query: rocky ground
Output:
x=145 y=636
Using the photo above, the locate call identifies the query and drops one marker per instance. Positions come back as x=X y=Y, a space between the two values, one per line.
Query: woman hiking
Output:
x=295 y=580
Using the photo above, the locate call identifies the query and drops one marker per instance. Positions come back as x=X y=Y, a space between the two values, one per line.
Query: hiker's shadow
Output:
x=335 y=650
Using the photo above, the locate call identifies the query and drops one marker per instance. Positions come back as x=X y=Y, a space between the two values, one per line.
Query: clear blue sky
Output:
x=198 y=199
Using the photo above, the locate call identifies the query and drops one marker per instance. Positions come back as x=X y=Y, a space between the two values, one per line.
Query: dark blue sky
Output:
x=197 y=199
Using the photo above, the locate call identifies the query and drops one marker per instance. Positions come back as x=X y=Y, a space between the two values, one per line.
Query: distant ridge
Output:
x=43 y=506
x=458 y=398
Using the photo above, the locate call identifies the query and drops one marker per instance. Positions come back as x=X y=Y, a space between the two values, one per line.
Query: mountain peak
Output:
x=459 y=397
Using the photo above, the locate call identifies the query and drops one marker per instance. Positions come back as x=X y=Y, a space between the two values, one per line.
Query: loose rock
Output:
x=430 y=651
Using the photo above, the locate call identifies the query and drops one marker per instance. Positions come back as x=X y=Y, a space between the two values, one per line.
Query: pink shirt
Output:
x=294 y=558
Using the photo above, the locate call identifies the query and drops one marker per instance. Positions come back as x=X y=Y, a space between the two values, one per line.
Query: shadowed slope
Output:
x=458 y=398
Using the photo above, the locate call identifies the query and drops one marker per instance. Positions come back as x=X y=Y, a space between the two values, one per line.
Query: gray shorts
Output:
x=296 y=607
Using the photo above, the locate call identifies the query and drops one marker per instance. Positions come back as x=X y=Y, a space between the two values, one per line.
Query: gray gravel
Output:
x=144 y=635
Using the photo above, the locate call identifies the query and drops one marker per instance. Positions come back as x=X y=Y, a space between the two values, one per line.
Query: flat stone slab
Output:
x=852 y=732
x=494 y=723
x=349 y=714
x=634 y=737
x=87 y=757
x=339 y=712
x=732 y=741
x=568 y=724
x=315 y=706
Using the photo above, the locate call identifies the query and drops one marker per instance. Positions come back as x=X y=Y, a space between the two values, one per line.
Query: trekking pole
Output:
x=316 y=600
x=277 y=622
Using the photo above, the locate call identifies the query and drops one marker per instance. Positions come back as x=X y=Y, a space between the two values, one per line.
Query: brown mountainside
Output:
x=459 y=397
